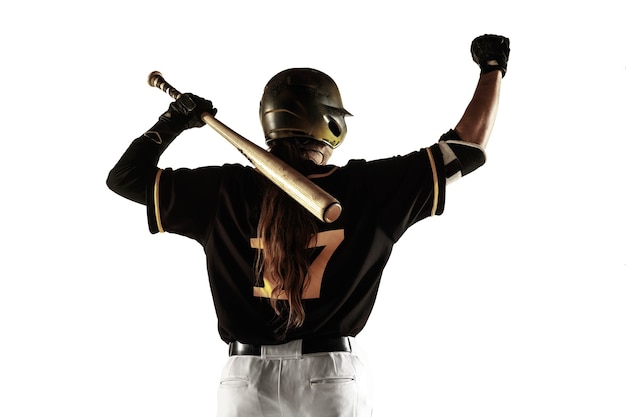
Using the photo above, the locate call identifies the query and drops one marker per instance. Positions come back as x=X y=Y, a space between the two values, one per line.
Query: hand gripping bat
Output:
x=317 y=201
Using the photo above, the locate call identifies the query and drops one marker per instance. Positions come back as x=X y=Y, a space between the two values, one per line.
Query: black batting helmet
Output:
x=303 y=103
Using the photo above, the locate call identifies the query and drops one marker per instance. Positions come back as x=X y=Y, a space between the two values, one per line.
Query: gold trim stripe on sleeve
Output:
x=157 y=209
x=433 y=167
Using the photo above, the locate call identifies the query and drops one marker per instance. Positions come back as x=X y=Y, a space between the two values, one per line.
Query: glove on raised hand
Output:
x=186 y=112
x=491 y=52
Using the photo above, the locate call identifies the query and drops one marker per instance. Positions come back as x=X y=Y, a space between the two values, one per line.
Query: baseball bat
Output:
x=317 y=201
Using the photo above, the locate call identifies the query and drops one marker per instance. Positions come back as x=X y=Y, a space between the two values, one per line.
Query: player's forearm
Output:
x=479 y=118
x=136 y=169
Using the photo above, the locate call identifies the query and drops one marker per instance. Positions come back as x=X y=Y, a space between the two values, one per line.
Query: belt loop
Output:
x=290 y=350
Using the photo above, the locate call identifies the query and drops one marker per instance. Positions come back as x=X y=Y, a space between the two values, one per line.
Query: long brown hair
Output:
x=285 y=230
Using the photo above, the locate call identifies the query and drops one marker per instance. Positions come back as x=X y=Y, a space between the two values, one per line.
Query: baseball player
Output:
x=291 y=292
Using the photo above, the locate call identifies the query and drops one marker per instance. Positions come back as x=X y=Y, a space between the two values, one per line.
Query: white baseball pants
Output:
x=283 y=382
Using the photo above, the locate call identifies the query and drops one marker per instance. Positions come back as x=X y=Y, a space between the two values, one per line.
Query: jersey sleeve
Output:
x=406 y=189
x=184 y=201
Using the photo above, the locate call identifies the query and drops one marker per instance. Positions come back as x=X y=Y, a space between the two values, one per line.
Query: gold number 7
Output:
x=330 y=241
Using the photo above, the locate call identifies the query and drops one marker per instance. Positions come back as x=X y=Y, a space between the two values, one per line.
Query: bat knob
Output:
x=332 y=212
x=153 y=77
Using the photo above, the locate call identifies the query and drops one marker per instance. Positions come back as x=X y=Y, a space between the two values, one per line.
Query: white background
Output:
x=510 y=304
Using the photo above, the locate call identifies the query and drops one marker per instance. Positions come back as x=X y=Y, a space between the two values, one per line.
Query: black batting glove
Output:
x=187 y=111
x=184 y=113
x=491 y=52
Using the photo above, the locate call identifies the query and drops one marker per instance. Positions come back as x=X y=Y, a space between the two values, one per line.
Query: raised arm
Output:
x=464 y=146
x=136 y=169
x=491 y=53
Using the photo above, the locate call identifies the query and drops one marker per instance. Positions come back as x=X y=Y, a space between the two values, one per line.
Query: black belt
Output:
x=333 y=344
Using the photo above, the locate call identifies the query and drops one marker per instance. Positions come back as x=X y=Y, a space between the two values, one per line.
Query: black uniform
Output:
x=218 y=206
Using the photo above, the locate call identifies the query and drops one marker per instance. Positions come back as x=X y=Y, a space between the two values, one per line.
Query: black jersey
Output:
x=219 y=208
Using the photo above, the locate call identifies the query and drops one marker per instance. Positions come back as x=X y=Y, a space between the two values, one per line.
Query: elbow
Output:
x=124 y=184
x=111 y=181
x=115 y=181
x=461 y=156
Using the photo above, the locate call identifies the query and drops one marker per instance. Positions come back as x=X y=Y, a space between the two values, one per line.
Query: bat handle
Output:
x=155 y=79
